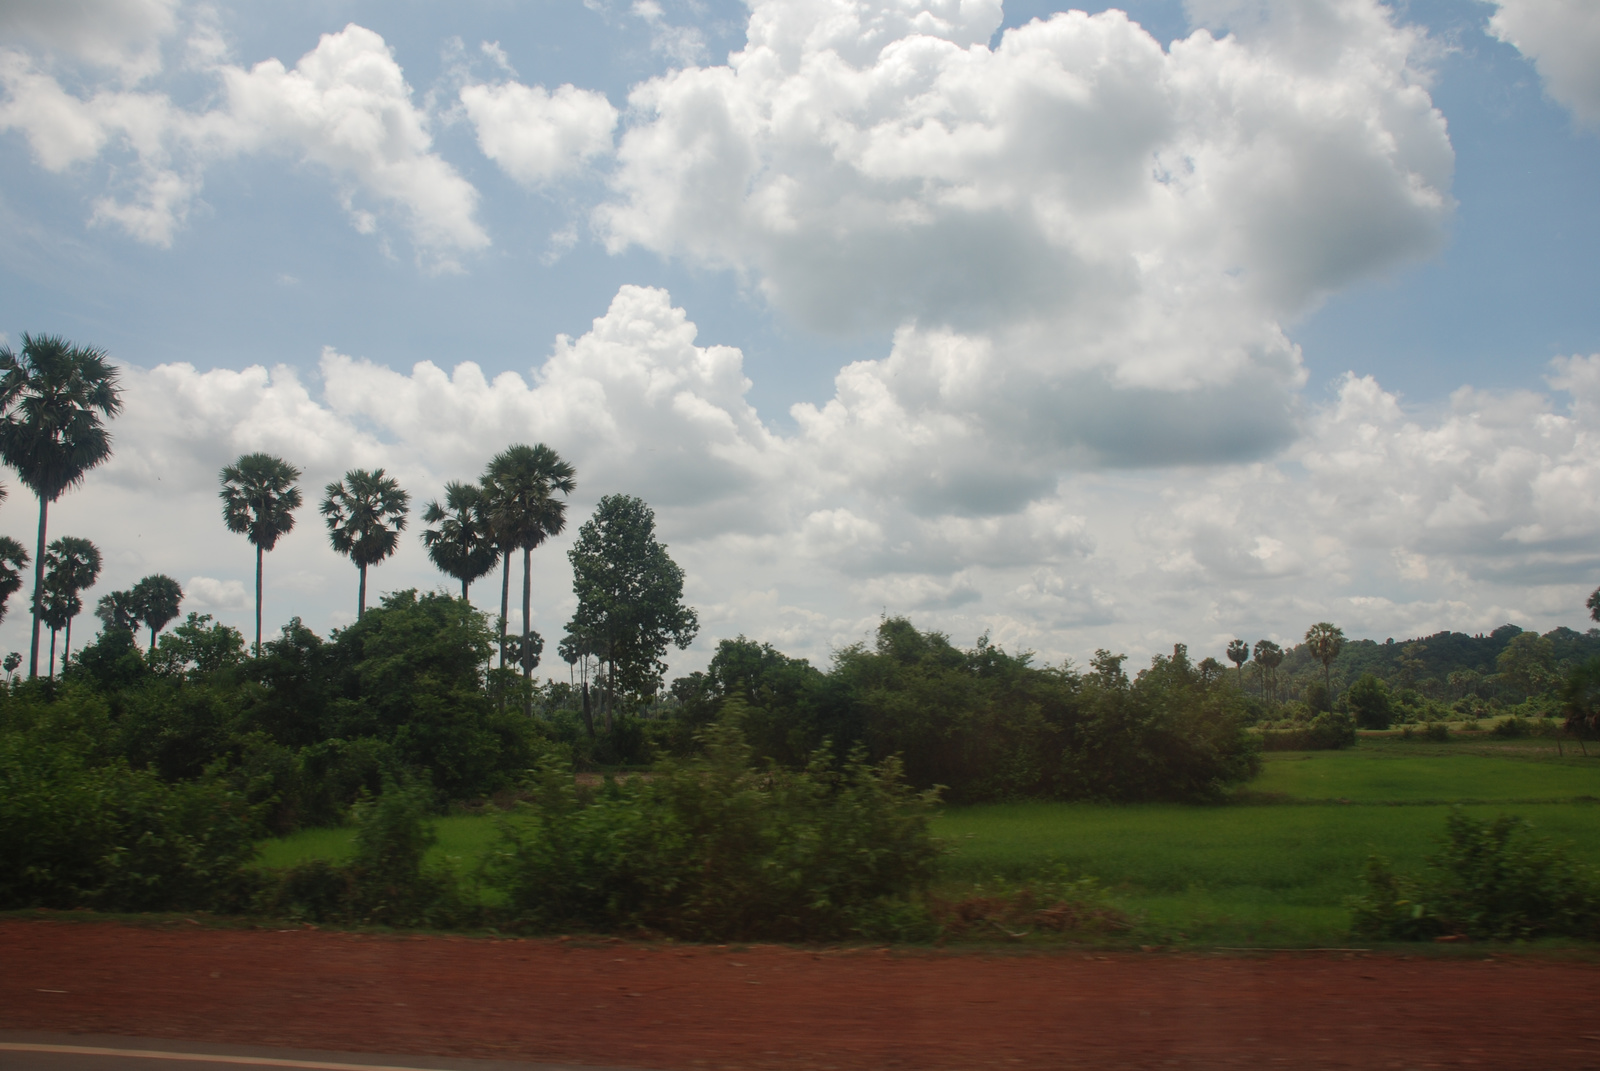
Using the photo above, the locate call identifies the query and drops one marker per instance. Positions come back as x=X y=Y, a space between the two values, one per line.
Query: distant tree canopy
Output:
x=630 y=599
x=986 y=724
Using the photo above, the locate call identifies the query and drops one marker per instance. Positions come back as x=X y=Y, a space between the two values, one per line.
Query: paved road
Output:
x=27 y=1051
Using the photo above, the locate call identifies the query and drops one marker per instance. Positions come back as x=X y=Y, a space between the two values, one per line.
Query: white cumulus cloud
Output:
x=1562 y=38
x=537 y=135
x=1387 y=519
x=121 y=34
x=1089 y=244
x=344 y=109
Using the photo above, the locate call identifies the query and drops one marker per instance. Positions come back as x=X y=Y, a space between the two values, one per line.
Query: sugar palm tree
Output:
x=76 y=562
x=365 y=512
x=53 y=396
x=259 y=498
x=1239 y=654
x=1269 y=656
x=1325 y=641
x=521 y=485
x=57 y=610
x=118 y=612
x=461 y=545
x=157 y=599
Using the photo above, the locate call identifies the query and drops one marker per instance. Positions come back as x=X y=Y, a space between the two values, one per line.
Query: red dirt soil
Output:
x=675 y=1007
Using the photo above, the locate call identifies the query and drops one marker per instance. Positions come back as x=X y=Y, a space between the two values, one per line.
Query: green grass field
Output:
x=1273 y=870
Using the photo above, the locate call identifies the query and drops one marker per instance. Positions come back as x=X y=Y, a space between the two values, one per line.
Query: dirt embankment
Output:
x=672 y=1007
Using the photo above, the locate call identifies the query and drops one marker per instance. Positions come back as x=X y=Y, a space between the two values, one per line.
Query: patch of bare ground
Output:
x=685 y=1007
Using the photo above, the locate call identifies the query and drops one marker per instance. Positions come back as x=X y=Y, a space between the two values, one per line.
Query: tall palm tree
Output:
x=461 y=546
x=1325 y=640
x=157 y=599
x=1239 y=654
x=259 y=498
x=522 y=482
x=1269 y=656
x=76 y=562
x=360 y=510
x=57 y=610
x=52 y=397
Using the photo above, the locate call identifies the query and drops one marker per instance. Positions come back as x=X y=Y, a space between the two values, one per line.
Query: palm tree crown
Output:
x=461 y=544
x=259 y=498
x=53 y=396
x=1325 y=641
x=157 y=599
x=118 y=612
x=13 y=559
x=360 y=510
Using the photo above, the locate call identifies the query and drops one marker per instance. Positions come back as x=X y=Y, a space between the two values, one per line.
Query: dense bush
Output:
x=1493 y=880
x=985 y=724
x=81 y=830
x=1325 y=732
x=1369 y=702
x=719 y=848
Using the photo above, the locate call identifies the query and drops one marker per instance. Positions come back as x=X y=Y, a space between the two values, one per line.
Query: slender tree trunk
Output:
x=527 y=616
x=464 y=592
x=361 y=598
x=611 y=690
x=66 y=650
x=588 y=713
x=505 y=603
x=52 y=654
x=38 y=588
x=152 y=639
x=258 y=600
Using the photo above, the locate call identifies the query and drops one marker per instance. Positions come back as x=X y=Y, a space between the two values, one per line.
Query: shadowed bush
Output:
x=75 y=834
x=718 y=849
x=1493 y=880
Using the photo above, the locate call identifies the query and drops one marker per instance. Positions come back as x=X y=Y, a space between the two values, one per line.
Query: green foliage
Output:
x=1369 y=702
x=78 y=829
x=1580 y=700
x=630 y=597
x=1492 y=879
x=386 y=883
x=717 y=848
x=1327 y=731
x=985 y=724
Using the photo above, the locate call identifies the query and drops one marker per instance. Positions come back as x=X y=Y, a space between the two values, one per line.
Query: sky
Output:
x=1112 y=328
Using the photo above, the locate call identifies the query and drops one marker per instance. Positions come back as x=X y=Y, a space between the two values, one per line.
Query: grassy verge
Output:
x=1273 y=871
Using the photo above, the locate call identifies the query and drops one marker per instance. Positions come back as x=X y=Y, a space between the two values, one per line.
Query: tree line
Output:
x=57 y=397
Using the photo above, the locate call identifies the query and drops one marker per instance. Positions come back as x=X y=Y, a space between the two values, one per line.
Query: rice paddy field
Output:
x=1273 y=866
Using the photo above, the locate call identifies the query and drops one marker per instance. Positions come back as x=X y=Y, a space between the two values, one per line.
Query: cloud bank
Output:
x=1388 y=520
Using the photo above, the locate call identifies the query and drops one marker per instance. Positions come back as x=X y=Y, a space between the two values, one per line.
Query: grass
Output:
x=1274 y=870
x=463 y=840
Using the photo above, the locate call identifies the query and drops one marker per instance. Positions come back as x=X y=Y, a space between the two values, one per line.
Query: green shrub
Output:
x=1370 y=703
x=1436 y=732
x=386 y=883
x=717 y=849
x=106 y=836
x=1493 y=880
x=1325 y=732
x=1514 y=727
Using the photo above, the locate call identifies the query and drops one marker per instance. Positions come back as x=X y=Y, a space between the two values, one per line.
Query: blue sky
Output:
x=1098 y=340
